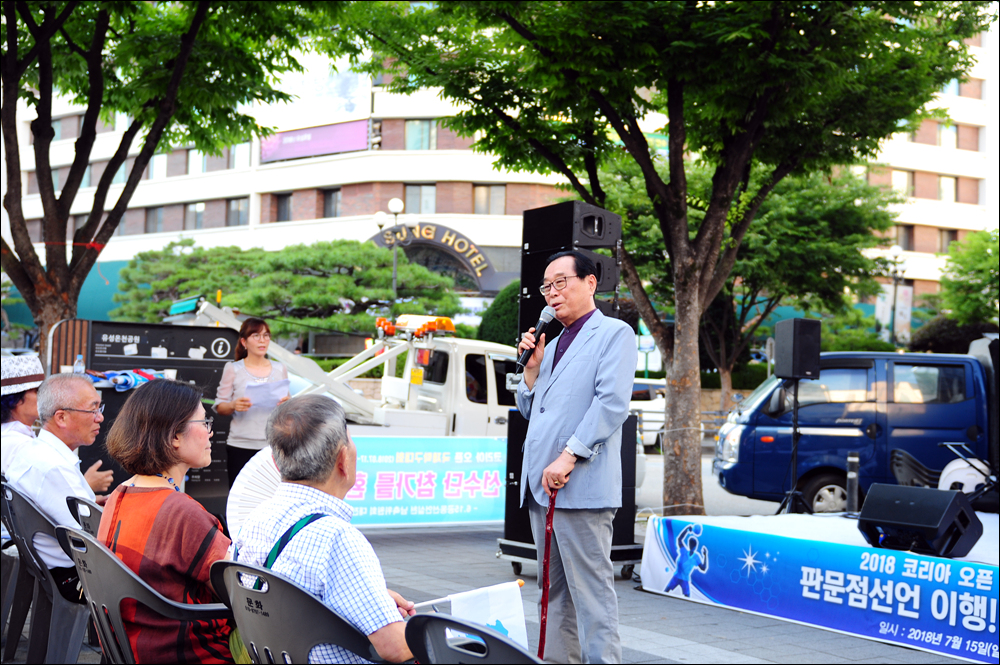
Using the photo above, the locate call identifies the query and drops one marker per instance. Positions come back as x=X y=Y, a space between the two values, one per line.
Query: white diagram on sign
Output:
x=221 y=347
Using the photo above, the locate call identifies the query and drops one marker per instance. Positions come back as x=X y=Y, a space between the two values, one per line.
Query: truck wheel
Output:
x=627 y=572
x=516 y=565
x=826 y=493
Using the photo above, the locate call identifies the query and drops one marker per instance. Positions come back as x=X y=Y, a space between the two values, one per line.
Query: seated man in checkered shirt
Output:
x=329 y=558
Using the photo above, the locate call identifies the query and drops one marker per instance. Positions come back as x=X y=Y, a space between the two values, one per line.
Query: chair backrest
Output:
x=107 y=582
x=86 y=513
x=23 y=520
x=428 y=637
x=282 y=622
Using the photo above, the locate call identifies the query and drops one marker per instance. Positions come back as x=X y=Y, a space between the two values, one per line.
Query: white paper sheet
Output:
x=266 y=395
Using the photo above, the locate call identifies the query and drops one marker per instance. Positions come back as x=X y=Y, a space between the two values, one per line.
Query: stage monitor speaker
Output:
x=796 y=349
x=569 y=225
x=919 y=519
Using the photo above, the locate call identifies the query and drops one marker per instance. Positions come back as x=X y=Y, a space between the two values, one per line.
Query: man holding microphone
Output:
x=575 y=395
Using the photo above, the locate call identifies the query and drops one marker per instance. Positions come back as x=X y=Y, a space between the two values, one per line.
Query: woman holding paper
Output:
x=250 y=388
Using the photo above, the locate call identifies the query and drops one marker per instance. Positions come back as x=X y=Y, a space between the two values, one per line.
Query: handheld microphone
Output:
x=543 y=322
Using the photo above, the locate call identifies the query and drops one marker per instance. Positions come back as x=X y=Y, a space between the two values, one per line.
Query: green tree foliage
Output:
x=970 y=284
x=185 y=73
x=807 y=248
x=787 y=87
x=943 y=334
x=334 y=286
x=846 y=328
x=154 y=279
x=499 y=321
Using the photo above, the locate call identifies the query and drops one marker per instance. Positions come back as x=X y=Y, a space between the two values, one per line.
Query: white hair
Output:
x=59 y=392
x=306 y=435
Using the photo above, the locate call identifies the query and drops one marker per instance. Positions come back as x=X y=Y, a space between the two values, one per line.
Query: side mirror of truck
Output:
x=776 y=403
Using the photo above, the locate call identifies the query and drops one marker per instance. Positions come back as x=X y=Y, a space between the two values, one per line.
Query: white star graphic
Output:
x=764 y=569
x=749 y=560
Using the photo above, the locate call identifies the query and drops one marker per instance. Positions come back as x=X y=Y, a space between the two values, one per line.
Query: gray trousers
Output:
x=582 y=595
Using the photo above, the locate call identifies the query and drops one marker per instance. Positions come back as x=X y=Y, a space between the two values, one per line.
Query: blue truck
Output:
x=880 y=405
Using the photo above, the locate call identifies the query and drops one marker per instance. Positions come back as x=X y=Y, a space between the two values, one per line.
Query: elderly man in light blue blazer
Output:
x=575 y=395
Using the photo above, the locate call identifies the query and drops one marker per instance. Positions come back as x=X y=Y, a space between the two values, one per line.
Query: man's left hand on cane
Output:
x=556 y=475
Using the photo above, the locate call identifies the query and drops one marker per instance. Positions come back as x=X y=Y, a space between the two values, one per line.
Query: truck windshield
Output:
x=760 y=394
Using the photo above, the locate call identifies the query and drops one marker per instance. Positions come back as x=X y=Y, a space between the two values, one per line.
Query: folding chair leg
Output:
x=23 y=592
x=9 y=565
x=41 y=616
x=67 y=629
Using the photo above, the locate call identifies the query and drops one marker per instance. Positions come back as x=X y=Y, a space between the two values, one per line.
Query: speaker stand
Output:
x=793 y=500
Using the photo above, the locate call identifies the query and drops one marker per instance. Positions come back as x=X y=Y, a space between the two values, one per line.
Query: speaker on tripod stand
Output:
x=796 y=357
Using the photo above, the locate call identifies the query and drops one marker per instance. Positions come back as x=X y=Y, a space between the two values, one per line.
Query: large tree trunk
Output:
x=53 y=308
x=682 y=443
x=726 y=381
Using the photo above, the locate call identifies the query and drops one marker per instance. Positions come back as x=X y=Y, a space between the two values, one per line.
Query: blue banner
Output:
x=940 y=605
x=407 y=481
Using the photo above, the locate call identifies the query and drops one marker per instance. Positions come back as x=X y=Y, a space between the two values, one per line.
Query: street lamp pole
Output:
x=897 y=275
x=395 y=207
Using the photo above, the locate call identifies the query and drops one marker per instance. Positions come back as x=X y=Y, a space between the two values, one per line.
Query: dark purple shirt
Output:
x=569 y=335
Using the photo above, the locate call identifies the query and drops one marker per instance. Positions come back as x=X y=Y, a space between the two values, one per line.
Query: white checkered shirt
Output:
x=329 y=558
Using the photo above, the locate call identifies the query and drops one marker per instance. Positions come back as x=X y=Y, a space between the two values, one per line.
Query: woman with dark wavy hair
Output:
x=246 y=432
x=166 y=537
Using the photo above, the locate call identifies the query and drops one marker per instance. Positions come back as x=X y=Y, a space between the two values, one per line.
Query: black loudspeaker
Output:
x=919 y=519
x=796 y=349
x=569 y=225
x=517 y=526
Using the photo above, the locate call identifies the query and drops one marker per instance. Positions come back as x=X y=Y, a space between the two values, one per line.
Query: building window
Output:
x=950 y=88
x=119 y=178
x=947 y=189
x=421 y=199
x=57 y=129
x=947 y=136
x=284 y=207
x=239 y=156
x=194 y=216
x=421 y=134
x=902 y=182
x=158 y=167
x=948 y=236
x=85 y=181
x=331 y=203
x=55 y=180
x=904 y=236
x=490 y=199
x=238 y=212
x=197 y=162
x=154 y=220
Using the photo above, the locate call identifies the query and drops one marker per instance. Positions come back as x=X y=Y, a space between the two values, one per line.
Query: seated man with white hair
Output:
x=47 y=470
x=328 y=557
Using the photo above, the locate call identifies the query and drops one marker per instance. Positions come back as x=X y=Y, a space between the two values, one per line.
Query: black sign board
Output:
x=198 y=355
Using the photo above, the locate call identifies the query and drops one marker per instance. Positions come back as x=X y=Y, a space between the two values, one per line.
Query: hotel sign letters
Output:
x=442 y=238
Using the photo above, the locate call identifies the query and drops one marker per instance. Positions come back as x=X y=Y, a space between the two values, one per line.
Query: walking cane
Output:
x=544 y=613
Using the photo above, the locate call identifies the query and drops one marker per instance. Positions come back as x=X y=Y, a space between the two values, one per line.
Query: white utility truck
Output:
x=449 y=386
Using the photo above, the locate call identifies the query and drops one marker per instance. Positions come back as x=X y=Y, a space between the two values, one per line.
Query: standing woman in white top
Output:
x=246 y=433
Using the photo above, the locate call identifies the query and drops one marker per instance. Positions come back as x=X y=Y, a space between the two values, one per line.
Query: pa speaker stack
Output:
x=571 y=225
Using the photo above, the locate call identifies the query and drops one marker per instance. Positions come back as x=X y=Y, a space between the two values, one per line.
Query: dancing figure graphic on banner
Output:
x=689 y=559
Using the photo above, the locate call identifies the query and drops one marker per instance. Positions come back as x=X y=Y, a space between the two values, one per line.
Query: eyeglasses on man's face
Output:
x=206 y=423
x=93 y=412
x=559 y=283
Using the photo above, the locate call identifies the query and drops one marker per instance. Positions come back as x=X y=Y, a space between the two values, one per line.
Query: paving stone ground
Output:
x=427 y=563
